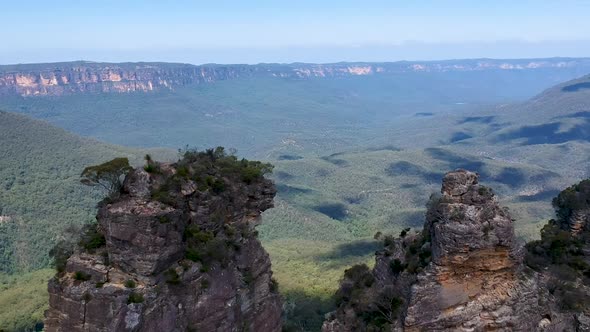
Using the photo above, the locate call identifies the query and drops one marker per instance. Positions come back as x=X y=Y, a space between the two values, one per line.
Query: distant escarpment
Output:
x=57 y=79
x=87 y=77
x=175 y=249
x=465 y=271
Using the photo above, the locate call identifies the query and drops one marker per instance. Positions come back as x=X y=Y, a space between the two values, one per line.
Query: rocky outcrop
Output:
x=464 y=271
x=471 y=282
x=56 y=79
x=178 y=253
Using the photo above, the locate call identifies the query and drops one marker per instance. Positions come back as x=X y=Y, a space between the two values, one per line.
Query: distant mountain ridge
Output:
x=66 y=78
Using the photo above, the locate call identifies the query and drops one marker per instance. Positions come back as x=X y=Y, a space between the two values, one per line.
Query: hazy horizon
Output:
x=306 y=31
x=332 y=165
x=404 y=52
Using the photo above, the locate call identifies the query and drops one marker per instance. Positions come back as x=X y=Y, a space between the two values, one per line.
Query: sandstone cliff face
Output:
x=473 y=262
x=463 y=272
x=180 y=254
x=73 y=78
x=89 y=77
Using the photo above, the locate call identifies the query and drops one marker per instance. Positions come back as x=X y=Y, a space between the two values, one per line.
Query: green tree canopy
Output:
x=108 y=176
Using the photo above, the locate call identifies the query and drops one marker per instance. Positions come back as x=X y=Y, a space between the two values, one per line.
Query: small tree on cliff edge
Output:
x=108 y=176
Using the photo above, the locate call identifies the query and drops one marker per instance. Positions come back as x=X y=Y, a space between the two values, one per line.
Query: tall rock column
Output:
x=471 y=281
x=463 y=272
x=178 y=253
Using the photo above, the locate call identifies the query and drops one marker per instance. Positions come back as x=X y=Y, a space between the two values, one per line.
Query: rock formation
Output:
x=464 y=271
x=176 y=250
x=56 y=79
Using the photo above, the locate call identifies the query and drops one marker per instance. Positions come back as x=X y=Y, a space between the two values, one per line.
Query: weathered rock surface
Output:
x=228 y=287
x=464 y=272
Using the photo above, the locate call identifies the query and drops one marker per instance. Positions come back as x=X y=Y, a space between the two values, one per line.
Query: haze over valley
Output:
x=357 y=148
x=226 y=167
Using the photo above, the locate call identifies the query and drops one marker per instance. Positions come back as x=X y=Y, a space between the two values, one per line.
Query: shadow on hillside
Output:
x=335 y=211
x=289 y=190
x=335 y=161
x=289 y=157
x=582 y=114
x=576 y=87
x=455 y=161
x=544 y=176
x=305 y=312
x=322 y=172
x=281 y=175
x=354 y=199
x=513 y=177
x=422 y=114
x=477 y=119
x=483 y=120
x=384 y=148
x=549 y=133
x=344 y=252
x=405 y=168
x=413 y=219
x=459 y=136
x=542 y=196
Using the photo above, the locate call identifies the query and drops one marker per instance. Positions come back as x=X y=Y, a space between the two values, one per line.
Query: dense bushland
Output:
x=562 y=251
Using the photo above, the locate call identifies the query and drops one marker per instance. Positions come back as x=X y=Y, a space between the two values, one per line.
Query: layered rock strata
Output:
x=180 y=254
x=464 y=271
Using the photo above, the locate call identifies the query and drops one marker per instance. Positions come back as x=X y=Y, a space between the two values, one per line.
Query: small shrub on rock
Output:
x=204 y=284
x=135 y=298
x=397 y=266
x=129 y=283
x=91 y=238
x=485 y=191
x=60 y=254
x=172 y=277
x=274 y=286
x=81 y=276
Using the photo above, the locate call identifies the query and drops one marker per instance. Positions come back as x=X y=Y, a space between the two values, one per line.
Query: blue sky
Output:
x=227 y=31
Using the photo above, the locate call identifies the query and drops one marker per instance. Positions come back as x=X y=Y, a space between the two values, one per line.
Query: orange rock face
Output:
x=463 y=272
